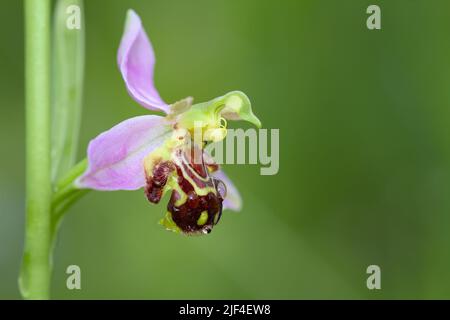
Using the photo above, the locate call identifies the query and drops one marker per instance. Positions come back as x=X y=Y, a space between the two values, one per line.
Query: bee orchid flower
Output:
x=158 y=153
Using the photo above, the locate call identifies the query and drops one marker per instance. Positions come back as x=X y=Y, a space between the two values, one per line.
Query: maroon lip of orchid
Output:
x=196 y=206
x=147 y=151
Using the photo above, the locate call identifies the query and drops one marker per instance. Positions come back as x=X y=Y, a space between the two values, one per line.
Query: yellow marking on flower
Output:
x=156 y=156
x=199 y=191
x=203 y=218
x=193 y=171
x=172 y=183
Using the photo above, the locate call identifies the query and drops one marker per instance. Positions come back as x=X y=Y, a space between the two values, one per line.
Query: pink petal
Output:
x=116 y=156
x=136 y=61
x=233 y=200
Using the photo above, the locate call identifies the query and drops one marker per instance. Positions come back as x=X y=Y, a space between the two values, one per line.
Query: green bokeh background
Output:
x=364 y=119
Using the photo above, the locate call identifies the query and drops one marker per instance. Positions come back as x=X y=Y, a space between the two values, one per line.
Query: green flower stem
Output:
x=66 y=193
x=72 y=175
x=35 y=275
x=59 y=210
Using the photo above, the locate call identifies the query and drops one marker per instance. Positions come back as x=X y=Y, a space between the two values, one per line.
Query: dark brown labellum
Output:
x=199 y=206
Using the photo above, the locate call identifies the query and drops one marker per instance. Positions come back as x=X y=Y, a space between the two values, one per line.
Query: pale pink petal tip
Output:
x=136 y=61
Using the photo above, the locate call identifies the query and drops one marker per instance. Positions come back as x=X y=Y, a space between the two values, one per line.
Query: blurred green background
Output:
x=364 y=176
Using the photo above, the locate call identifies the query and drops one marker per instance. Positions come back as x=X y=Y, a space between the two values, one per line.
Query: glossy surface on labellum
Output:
x=195 y=205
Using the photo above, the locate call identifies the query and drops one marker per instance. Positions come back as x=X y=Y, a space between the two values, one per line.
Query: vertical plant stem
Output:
x=36 y=267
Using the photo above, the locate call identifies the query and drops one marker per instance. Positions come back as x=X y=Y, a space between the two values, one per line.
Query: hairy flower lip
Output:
x=182 y=169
